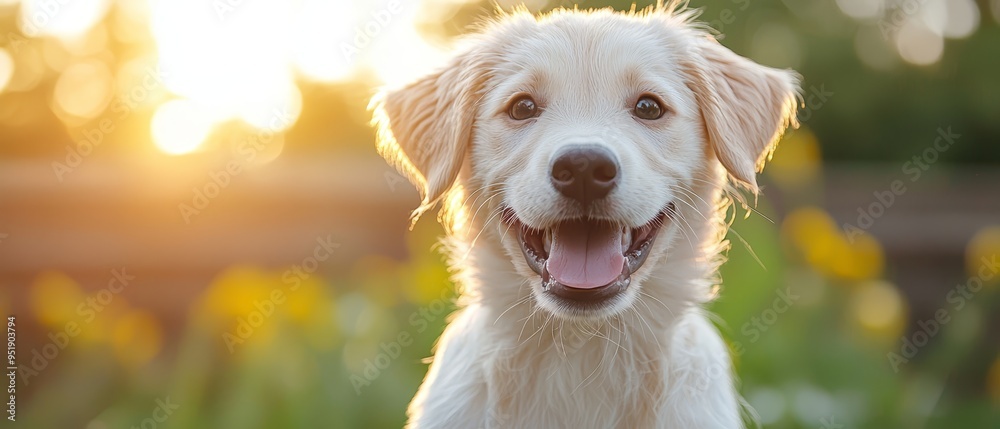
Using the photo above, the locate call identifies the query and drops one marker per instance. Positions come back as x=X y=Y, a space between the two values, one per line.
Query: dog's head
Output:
x=579 y=137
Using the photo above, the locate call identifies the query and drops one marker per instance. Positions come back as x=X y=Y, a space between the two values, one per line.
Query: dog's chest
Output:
x=593 y=382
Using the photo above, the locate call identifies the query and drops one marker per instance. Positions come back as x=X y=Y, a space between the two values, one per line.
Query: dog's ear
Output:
x=425 y=127
x=745 y=106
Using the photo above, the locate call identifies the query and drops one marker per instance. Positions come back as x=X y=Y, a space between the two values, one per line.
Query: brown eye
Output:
x=523 y=108
x=648 y=108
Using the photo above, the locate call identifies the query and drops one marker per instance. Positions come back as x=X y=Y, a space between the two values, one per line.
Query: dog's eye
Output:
x=648 y=108
x=523 y=108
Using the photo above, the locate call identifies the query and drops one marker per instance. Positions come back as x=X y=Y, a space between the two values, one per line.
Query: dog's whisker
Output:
x=643 y=320
x=496 y=213
x=665 y=306
x=484 y=203
x=512 y=306
x=547 y=320
x=527 y=319
x=736 y=233
x=596 y=367
x=476 y=193
x=747 y=206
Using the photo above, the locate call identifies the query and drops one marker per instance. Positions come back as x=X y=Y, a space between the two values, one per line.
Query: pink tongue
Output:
x=586 y=255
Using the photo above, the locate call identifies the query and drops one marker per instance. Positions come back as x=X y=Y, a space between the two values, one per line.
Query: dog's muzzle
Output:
x=585 y=262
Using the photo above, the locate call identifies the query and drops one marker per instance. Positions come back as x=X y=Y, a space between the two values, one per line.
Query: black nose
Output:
x=585 y=173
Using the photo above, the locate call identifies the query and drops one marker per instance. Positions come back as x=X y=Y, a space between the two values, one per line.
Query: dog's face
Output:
x=582 y=136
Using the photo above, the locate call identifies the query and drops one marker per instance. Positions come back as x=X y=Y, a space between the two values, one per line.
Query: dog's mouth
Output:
x=586 y=261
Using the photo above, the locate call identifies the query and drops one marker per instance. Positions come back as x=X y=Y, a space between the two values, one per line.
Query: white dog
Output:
x=581 y=160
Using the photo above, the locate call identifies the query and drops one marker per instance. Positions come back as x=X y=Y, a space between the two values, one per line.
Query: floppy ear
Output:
x=746 y=107
x=425 y=127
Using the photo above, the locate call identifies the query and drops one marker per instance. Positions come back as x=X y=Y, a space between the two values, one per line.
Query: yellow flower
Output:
x=993 y=380
x=312 y=308
x=863 y=259
x=879 y=309
x=797 y=161
x=234 y=291
x=308 y=301
x=381 y=279
x=97 y=323
x=981 y=251
x=813 y=233
x=137 y=338
x=54 y=299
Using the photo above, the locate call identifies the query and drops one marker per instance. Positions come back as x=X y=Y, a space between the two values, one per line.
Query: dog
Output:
x=585 y=163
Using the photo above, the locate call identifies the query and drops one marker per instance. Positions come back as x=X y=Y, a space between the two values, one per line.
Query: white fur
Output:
x=512 y=357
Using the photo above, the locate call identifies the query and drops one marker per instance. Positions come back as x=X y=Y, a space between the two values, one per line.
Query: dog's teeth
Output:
x=547 y=240
x=626 y=239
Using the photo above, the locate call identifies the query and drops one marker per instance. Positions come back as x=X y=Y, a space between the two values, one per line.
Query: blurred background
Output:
x=196 y=232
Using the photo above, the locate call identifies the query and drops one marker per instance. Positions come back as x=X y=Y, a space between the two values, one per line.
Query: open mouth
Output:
x=583 y=260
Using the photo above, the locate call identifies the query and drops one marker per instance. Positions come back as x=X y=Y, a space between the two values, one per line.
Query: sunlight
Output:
x=319 y=31
x=63 y=19
x=399 y=53
x=82 y=91
x=241 y=62
x=225 y=60
x=180 y=126
x=231 y=63
x=6 y=68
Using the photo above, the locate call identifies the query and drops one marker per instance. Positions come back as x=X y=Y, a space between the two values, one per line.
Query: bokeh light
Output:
x=917 y=28
x=29 y=68
x=993 y=380
x=879 y=308
x=829 y=250
x=180 y=126
x=63 y=19
x=6 y=68
x=279 y=90
x=982 y=250
x=962 y=18
x=919 y=44
x=83 y=91
x=797 y=162
x=137 y=338
x=54 y=299
x=861 y=9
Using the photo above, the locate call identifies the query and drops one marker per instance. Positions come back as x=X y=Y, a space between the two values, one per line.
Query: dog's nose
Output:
x=585 y=173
